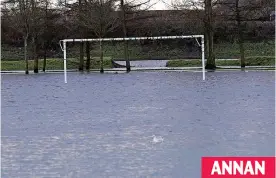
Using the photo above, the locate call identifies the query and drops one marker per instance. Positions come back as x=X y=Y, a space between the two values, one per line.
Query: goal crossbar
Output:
x=64 y=41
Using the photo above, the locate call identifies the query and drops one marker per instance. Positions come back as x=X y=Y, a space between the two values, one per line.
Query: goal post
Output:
x=196 y=37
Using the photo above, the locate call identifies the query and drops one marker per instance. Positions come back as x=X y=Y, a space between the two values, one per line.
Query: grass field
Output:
x=231 y=50
x=222 y=50
x=52 y=64
x=250 y=61
x=257 y=54
x=72 y=63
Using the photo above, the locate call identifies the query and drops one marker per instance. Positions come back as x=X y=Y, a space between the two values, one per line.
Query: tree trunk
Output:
x=211 y=62
x=240 y=34
x=81 y=62
x=81 y=57
x=35 y=57
x=26 y=55
x=44 y=58
x=241 y=50
x=87 y=56
x=45 y=36
x=34 y=35
x=101 y=57
x=125 y=35
x=126 y=56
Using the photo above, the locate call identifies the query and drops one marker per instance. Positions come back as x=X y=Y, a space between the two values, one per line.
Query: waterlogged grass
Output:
x=257 y=54
x=261 y=60
x=53 y=64
x=116 y=50
x=73 y=63
x=183 y=63
x=250 y=61
x=231 y=50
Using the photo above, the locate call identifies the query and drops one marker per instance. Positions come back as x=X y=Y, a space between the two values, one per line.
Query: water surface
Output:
x=101 y=125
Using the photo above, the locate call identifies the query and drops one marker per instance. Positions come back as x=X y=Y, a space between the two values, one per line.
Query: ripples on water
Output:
x=102 y=125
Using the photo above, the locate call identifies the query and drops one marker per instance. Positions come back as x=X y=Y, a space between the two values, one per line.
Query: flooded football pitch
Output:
x=103 y=125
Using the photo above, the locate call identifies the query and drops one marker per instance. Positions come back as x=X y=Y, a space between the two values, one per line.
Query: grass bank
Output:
x=250 y=61
x=232 y=51
x=52 y=64
x=170 y=50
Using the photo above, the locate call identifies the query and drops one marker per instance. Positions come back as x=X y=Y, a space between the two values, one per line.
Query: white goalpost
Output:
x=63 y=46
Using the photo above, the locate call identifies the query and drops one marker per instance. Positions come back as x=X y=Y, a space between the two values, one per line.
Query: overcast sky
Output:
x=159 y=4
x=155 y=4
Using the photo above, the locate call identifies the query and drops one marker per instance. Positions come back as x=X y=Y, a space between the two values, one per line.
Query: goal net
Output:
x=160 y=52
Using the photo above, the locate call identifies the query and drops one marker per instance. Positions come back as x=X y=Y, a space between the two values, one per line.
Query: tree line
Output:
x=38 y=25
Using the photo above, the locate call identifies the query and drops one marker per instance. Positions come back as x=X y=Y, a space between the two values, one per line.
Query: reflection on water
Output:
x=103 y=125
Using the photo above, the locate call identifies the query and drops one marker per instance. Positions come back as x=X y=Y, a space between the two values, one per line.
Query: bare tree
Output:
x=124 y=26
x=88 y=57
x=129 y=10
x=240 y=33
x=208 y=19
x=35 y=30
x=100 y=17
x=24 y=13
x=233 y=11
x=20 y=13
x=209 y=31
x=45 y=32
x=242 y=11
x=81 y=56
x=81 y=35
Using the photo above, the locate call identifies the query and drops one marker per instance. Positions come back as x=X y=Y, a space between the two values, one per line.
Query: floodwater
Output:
x=102 y=125
x=145 y=63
